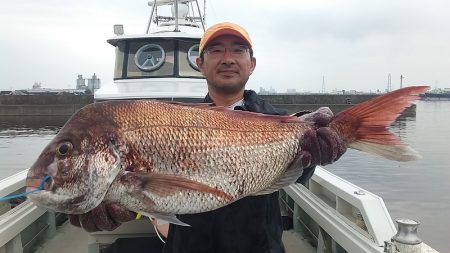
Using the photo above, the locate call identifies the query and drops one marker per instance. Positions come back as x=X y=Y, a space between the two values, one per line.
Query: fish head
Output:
x=81 y=162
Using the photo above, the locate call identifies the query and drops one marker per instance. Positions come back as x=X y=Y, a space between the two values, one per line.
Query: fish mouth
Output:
x=41 y=183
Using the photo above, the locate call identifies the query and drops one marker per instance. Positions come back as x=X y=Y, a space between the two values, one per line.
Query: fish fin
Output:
x=365 y=126
x=203 y=106
x=194 y=105
x=301 y=113
x=170 y=218
x=400 y=153
x=169 y=184
x=245 y=114
x=274 y=118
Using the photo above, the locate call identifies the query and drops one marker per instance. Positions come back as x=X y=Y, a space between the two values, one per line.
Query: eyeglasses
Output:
x=219 y=50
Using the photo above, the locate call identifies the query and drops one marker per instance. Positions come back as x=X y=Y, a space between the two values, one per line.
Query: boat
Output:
x=327 y=214
x=436 y=95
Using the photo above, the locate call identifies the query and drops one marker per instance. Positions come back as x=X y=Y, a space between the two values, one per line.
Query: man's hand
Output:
x=322 y=145
x=103 y=217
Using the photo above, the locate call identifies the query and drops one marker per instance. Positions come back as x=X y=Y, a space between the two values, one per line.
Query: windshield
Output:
x=156 y=58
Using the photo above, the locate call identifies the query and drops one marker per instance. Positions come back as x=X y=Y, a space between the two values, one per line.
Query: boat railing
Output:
x=330 y=207
x=335 y=215
x=26 y=227
x=23 y=227
x=331 y=213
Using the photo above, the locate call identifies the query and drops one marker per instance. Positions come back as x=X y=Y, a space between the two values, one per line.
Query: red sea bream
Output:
x=162 y=159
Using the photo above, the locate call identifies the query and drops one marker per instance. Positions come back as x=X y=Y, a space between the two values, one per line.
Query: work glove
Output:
x=320 y=145
x=105 y=217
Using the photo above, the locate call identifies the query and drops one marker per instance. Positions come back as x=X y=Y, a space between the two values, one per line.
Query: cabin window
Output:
x=188 y=52
x=150 y=59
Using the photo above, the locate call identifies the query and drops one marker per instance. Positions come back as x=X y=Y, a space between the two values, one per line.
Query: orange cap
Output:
x=225 y=28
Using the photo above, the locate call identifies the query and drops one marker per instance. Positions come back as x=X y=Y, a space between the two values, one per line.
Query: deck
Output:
x=71 y=239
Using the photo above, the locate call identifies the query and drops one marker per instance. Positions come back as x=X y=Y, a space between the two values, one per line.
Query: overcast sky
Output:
x=355 y=44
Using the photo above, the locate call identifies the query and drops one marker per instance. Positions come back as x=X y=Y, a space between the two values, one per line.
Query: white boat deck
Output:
x=68 y=239
x=71 y=239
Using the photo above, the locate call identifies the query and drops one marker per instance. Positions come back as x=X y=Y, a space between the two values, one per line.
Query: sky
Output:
x=351 y=44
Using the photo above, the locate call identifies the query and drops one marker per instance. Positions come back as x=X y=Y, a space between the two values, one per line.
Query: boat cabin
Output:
x=159 y=64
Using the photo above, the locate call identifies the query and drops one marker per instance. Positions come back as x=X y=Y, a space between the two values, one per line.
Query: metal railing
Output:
x=337 y=216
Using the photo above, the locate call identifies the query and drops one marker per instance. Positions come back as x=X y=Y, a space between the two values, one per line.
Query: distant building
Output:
x=37 y=89
x=81 y=83
x=93 y=83
x=47 y=91
x=263 y=91
x=37 y=86
x=291 y=91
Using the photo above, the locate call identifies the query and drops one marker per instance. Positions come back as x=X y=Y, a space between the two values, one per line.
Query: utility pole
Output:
x=323 y=84
x=401 y=81
x=389 y=87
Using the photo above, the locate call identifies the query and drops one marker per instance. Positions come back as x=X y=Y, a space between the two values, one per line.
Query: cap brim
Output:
x=226 y=31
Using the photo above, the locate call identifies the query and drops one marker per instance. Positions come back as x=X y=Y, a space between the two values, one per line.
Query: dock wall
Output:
x=42 y=105
x=296 y=102
x=317 y=99
x=66 y=105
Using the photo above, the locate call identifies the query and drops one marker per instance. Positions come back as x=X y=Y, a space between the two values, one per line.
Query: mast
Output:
x=180 y=15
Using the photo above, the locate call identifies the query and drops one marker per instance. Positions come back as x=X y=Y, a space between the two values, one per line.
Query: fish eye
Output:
x=64 y=148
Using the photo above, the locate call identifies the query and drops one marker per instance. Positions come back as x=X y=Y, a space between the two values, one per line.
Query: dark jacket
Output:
x=251 y=224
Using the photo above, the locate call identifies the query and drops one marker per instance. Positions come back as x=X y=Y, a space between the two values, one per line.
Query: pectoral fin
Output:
x=169 y=184
x=170 y=218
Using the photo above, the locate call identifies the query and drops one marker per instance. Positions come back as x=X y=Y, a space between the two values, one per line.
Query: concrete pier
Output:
x=42 y=105
x=297 y=102
x=66 y=105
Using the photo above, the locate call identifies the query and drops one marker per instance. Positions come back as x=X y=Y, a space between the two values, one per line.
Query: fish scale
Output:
x=214 y=144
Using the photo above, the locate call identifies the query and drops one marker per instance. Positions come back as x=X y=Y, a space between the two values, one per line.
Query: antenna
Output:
x=180 y=14
x=401 y=81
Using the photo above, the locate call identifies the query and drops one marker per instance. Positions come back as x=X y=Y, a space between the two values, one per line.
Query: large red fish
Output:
x=162 y=159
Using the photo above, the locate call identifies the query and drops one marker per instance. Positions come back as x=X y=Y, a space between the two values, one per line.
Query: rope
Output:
x=15 y=196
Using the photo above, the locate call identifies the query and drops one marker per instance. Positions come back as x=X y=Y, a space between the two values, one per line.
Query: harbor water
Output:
x=418 y=190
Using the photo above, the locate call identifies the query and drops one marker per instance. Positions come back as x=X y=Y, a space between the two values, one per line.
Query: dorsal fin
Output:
x=245 y=114
x=194 y=105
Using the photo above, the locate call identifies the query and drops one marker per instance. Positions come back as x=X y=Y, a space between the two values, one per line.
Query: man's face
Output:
x=226 y=71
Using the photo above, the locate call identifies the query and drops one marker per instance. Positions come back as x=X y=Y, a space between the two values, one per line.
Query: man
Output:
x=252 y=224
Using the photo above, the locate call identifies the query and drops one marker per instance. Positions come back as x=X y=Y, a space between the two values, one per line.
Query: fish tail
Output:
x=365 y=126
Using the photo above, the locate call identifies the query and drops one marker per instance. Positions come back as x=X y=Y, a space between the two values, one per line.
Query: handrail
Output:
x=331 y=201
x=344 y=234
x=372 y=208
x=13 y=222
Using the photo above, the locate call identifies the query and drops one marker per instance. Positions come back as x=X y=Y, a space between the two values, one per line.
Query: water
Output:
x=23 y=138
x=416 y=190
